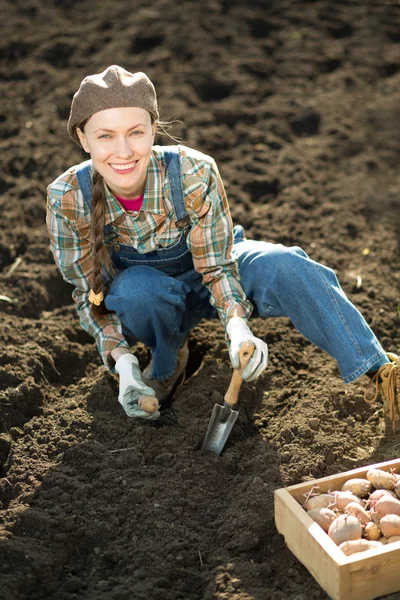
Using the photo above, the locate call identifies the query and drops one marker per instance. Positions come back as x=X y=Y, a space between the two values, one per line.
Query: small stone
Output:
x=164 y=457
x=305 y=432
x=329 y=456
x=102 y=585
x=285 y=457
x=287 y=434
x=140 y=574
x=74 y=584
x=96 y=550
x=15 y=432
x=314 y=423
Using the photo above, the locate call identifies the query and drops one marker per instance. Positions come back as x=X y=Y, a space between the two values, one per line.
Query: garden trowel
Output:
x=223 y=416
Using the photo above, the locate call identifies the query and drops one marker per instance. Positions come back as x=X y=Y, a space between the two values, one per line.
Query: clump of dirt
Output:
x=299 y=105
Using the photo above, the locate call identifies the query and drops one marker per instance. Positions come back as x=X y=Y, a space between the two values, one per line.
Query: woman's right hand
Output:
x=239 y=332
x=132 y=388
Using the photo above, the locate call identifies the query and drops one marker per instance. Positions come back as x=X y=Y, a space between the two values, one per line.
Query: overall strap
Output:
x=84 y=177
x=173 y=164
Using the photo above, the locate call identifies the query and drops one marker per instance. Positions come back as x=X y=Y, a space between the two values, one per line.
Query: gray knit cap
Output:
x=113 y=88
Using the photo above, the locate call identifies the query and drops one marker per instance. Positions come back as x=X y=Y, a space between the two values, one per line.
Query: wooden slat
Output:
x=371 y=574
x=306 y=540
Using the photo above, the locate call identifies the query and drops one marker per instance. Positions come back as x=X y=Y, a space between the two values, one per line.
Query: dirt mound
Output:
x=299 y=105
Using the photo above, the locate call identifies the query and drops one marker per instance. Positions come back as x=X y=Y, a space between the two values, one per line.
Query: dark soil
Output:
x=299 y=103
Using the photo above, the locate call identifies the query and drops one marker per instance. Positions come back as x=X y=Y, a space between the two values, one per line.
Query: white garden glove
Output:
x=132 y=387
x=239 y=332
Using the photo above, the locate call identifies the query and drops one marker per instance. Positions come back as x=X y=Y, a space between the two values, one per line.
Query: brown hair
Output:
x=101 y=256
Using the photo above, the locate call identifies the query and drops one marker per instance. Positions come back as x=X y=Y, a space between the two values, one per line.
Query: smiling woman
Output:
x=153 y=274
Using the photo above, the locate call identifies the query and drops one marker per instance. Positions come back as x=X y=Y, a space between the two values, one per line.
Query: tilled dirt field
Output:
x=299 y=103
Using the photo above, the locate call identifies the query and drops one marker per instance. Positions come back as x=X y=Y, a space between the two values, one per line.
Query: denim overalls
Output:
x=159 y=297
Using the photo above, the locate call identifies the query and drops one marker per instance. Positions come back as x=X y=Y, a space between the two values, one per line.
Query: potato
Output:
x=383 y=540
x=353 y=546
x=377 y=494
x=387 y=506
x=397 y=489
x=319 y=501
x=353 y=508
x=149 y=404
x=344 y=528
x=322 y=516
x=342 y=499
x=372 y=531
x=374 y=517
x=390 y=525
x=359 y=487
x=381 y=479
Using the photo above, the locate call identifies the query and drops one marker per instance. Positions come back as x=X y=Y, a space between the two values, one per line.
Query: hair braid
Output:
x=101 y=256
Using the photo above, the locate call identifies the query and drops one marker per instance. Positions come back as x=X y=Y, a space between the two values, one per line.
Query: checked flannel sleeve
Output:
x=211 y=240
x=71 y=247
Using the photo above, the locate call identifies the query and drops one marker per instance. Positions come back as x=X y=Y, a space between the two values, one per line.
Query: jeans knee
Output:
x=282 y=260
x=147 y=290
x=139 y=286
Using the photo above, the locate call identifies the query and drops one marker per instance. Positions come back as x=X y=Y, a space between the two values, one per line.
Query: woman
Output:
x=144 y=234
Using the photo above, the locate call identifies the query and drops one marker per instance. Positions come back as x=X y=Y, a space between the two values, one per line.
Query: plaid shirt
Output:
x=209 y=240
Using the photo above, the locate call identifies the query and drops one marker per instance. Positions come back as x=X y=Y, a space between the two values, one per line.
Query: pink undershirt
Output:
x=135 y=204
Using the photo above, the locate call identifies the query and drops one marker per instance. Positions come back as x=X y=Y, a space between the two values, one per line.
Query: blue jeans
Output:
x=160 y=310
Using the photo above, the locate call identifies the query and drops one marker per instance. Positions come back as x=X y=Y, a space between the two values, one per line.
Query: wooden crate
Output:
x=361 y=576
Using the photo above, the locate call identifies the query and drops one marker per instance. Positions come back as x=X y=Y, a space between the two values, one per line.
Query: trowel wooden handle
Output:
x=245 y=353
x=148 y=403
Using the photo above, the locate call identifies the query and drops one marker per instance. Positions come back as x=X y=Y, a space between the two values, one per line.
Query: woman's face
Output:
x=119 y=141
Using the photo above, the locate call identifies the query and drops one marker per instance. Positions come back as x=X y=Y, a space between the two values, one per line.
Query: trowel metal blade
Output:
x=222 y=420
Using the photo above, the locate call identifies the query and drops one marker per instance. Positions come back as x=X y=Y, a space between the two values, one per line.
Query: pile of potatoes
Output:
x=364 y=514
